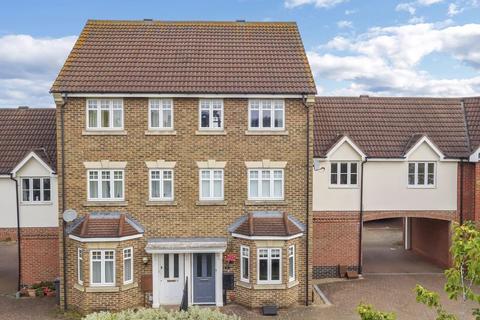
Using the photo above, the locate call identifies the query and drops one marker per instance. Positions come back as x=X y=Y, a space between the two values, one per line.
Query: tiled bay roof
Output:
x=472 y=112
x=385 y=127
x=105 y=225
x=187 y=57
x=267 y=223
x=24 y=130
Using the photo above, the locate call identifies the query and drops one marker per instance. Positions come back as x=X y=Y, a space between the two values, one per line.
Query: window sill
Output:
x=102 y=289
x=105 y=204
x=266 y=133
x=292 y=284
x=104 y=133
x=129 y=286
x=244 y=284
x=153 y=203
x=79 y=287
x=343 y=186
x=266 y=202
x=421 y=187
x=161 y=133
x=211 y=203
x=269 y=287
x=36 y=203
x=210 y=132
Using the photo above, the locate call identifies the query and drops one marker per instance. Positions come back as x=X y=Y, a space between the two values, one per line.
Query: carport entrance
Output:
x=384 y=246
x=8 y=268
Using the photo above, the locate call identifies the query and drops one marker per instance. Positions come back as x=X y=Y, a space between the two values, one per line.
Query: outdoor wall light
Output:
x=145 y=260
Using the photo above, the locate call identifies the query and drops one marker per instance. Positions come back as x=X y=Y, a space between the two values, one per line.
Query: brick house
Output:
x=375 y=158
x=179 y=144
x=28 y=191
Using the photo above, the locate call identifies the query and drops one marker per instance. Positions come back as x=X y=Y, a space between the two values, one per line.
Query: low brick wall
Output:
x=8 y=234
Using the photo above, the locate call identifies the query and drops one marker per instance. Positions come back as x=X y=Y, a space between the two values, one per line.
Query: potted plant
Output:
x=31 y=292
x=230 y=259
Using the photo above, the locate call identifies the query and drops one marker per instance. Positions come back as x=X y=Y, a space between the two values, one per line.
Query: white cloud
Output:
x=28 y=67
x=453 y=9
x=386 y=60
x=411 y=7
x=350 y=12
x=415 y=20
x=316 y=3
x=344 y=24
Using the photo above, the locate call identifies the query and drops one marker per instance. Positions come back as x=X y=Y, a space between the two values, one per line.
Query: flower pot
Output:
x=31 y=293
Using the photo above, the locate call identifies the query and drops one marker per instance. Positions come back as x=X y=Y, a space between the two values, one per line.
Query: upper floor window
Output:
x=344 y=173
x=160 y=114
x=269 y=265
x=105 y=114
x=211 y=114
x=105 y=184
x=211 y=184
x=36 y=190
x=421 y=174
x=102 y=267
x=266 y=115
x=265 y=184
x=161 y=185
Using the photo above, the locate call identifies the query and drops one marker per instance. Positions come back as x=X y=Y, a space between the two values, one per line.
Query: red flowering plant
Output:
x=230 y=258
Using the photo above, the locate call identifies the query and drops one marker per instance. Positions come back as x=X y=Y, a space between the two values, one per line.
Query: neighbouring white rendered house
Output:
x=27 y=167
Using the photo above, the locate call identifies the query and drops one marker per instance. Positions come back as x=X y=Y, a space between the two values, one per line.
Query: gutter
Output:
x=360 y=234
x=64 y=234
x=307 y=217
x=18 y=234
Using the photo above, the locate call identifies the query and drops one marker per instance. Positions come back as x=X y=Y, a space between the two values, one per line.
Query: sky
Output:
x=375 y=47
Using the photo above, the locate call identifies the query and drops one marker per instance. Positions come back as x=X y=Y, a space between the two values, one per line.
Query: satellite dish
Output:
x=69 y=215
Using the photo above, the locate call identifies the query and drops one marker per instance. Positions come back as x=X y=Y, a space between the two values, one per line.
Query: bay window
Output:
x=105 y=114
x=105 y=185
x=269 y=266
x=211 y=184
x=344 y=173
x=127 y=265
x=160 y=114
x=291 y=263
x=36 y=190
x=211 y=114
x=80 y=266
x=421 y=174
x=245 y=263
x=102 y=268
x=265 y=184
x=161 y=185
x=266 y=115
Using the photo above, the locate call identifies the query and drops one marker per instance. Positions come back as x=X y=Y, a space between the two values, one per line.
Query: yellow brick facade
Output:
x=185 y=217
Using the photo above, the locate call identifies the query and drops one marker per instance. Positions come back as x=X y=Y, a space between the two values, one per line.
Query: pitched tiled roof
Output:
x=261 y=223
x=105 y=225
x=472 y=113
x=24 y=130
x=385 y=127
x=187 y=57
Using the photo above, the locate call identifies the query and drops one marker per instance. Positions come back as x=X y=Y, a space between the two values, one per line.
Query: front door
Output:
x=171 y=278
x=204 y=278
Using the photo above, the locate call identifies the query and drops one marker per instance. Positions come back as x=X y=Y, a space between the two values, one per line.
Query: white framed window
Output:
x=105 y=185
x=344 y=174
x=128 y=265
x=291 y=263
x=36 y=190
x=269 y=265
x=211 y=114
x=80 y=266
x=265 y=184
x=104 y=114
x=421 y=174
x=245 y=263
x=161 y=185
x=102 y=268
x=266 y=114
x=211 y=184
x=160 y=114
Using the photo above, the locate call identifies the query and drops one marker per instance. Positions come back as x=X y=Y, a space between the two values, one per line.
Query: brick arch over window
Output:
x=439 y=215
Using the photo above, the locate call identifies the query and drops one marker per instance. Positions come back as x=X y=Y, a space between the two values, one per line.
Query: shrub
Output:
x=193 y=313
x=367 y=312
